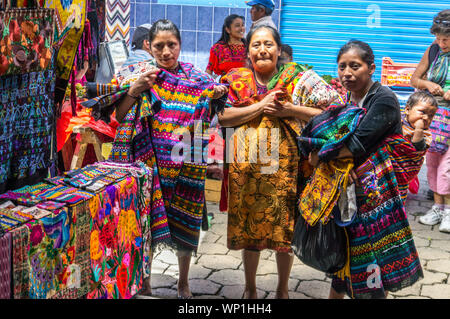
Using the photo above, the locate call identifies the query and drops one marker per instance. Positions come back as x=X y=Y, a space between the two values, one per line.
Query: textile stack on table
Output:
x=83 y=234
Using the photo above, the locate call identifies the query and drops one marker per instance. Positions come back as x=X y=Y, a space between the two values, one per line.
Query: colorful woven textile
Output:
x=43 y=192
x=20 y=240
x=323 y=190
x=143 y=175
x=26 y=38
x=118 y=20
x=70 y=19
x=178 y=186
x=10 y=218
x=223 y=57
x=440 y=128
x=116 y=242
x=180 y=98
x=132 y=72
x=328 y=131
x=92 y=178
x=407 y=161
x=438 y=70
x=53 y=255
x=26 y=121
x=312 y=90
x=262 y=195
x=5 y=266
x=380 y=236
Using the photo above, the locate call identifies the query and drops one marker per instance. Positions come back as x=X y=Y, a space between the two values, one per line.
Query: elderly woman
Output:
x=433 y=74
x=156 y=111
x=263 y=192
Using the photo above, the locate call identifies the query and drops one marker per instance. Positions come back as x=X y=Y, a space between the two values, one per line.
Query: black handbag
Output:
x=322 y=247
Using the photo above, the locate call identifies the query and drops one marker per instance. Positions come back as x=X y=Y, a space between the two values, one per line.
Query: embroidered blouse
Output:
x=224 y=57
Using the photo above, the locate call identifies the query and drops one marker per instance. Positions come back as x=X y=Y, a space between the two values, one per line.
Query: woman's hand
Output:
x=219 y=91
x=279 y=109
x=145 y=82
x=447 y=95
x=313 y=159
x=434 y=88
x=353 y=178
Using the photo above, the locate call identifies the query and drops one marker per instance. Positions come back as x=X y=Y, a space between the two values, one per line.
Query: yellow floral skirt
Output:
x=262 y=196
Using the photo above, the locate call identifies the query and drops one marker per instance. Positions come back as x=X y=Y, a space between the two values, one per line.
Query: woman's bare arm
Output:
x=236 y=116
x=418 y=79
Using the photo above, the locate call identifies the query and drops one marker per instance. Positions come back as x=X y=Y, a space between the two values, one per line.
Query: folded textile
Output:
x=327 y=132
x=322 y=192
x=312 y=90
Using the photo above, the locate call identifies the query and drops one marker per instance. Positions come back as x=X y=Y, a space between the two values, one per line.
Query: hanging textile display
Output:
x=26 y=38
x=26 y=128
x=118 y=20
x=70 y=20
x=101 y=18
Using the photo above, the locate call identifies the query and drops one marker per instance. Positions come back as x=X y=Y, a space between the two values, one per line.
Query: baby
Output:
x=419 y=112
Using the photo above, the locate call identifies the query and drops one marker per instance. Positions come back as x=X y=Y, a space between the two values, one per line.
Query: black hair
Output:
x=365 y=51
x=227 y=24
x=441 y=23
x=267 y=11
x=276 y=37
x=421 y=96
x=163 y=25
x=287 y=48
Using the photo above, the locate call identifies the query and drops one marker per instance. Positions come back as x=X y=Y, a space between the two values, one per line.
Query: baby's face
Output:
x=421 y=111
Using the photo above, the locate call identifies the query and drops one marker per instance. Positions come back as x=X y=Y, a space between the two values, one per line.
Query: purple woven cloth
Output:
x=5 y=266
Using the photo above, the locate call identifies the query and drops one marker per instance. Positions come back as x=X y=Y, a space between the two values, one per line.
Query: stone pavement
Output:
x=217 y=272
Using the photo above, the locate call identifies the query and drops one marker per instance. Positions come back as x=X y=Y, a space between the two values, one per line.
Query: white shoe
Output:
x=445 y=223
x=432 y=217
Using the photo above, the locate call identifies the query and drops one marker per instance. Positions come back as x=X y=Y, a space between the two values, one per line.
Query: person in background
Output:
x=261 y=12
x=229 y=51
x=287 y=54
x=140 y=46
x=433 y=74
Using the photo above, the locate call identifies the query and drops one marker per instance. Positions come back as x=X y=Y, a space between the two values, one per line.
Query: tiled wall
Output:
x=200 y=26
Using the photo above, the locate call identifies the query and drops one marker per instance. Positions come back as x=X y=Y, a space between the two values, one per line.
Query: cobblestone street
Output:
x=217 y=272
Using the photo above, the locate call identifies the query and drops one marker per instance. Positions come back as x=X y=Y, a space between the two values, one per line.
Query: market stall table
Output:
x=91 y=235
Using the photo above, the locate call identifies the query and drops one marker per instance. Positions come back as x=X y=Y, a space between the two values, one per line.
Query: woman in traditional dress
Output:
x=382 y=254
x=263 y=192
x=180 y=94
x=229 y=51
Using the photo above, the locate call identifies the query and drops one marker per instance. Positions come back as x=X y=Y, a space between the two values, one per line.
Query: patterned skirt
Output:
x=383 y=256
x=262 y=196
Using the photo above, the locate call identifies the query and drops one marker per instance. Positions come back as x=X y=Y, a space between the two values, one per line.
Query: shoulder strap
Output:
x=433 y=53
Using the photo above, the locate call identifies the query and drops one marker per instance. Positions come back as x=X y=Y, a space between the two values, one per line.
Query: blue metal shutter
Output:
x=317 y=29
